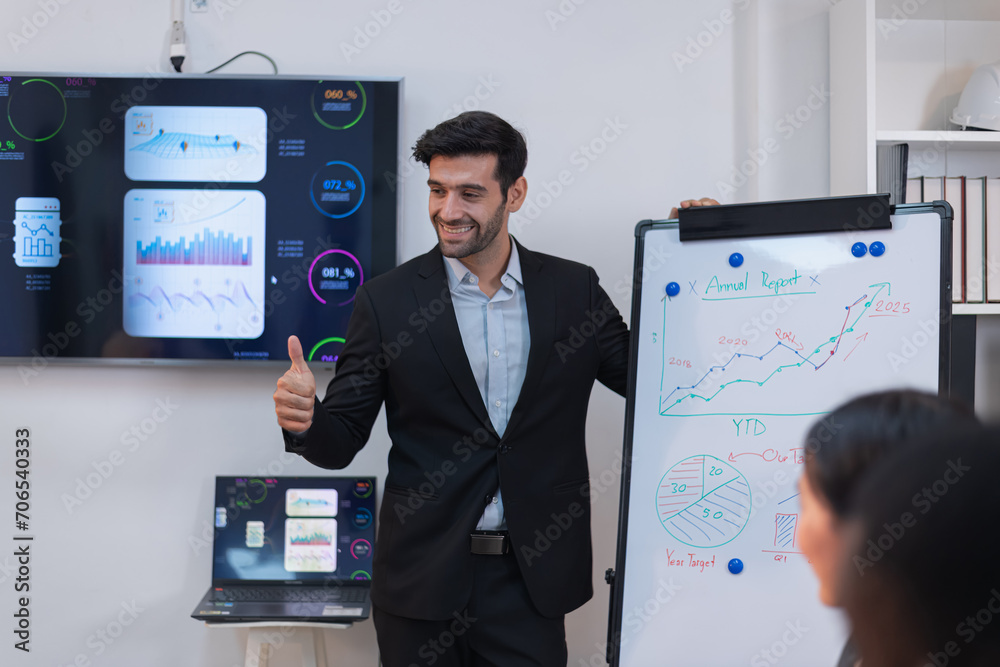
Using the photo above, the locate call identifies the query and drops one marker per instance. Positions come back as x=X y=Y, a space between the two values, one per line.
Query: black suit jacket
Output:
x=404 y=348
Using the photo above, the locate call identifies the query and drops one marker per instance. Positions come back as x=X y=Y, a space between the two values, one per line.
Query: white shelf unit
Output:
x=896 y=78
x=975 y=308
x=951 y=139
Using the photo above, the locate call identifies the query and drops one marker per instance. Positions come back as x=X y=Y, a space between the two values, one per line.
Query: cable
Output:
x=246 y=53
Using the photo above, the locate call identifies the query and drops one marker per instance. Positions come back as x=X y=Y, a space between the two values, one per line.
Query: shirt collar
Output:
x=458 y=272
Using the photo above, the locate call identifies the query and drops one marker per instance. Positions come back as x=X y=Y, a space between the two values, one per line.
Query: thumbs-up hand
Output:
x=296 y=392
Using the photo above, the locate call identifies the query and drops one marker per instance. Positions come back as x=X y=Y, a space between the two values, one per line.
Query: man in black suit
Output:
x=484 y=354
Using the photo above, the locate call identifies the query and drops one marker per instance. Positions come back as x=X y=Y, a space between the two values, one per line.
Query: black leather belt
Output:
x=490 y=542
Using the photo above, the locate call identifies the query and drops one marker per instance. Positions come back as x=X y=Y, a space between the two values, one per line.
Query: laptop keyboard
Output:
x=296 y=594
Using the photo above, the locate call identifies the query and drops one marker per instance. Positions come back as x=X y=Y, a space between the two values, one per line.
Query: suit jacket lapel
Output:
x=540 y=298
x=432 y=293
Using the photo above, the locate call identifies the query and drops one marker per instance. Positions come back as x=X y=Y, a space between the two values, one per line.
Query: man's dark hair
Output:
x=477 y=133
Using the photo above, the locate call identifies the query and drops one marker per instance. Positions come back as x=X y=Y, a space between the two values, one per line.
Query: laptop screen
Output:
x=309 y=529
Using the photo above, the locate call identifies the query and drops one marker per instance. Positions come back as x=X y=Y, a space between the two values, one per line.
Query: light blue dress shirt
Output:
x=496 y=339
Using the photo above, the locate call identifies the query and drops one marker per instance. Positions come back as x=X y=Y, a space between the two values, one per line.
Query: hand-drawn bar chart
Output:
x=786 y=531
x=703 y=501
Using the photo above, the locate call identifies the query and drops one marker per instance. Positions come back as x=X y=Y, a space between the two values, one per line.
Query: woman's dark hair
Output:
x=477 y=133
x=841 y=446
x=920 y=580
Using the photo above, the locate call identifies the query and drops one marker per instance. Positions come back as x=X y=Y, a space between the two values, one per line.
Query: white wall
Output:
x=688 y=127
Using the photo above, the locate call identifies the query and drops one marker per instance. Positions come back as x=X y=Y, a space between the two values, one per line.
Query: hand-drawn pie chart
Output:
x=703 y=501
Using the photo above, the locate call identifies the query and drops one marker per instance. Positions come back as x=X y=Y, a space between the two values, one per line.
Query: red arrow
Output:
x=732 y=457
x=789 y=339
x=860 y=339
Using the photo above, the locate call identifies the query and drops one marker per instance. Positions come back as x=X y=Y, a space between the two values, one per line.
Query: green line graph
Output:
x=676 y=400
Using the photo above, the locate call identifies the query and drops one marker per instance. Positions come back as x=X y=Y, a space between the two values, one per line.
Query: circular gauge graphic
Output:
x=362 y=518
x=328 y=350
x=338 y=105
x=36 y=109
x=254 y=492
x=363 y=488
x=360 y=575
x=361 y=549
x=337 y=189
x=703 y=501
x=334 y=277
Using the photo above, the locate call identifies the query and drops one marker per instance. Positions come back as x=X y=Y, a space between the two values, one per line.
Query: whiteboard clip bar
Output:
x=797 y=216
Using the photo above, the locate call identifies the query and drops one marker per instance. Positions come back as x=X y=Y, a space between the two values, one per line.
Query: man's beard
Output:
x=482 y=235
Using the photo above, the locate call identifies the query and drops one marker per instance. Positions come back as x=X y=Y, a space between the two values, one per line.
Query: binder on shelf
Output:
x=890 y=171
x=993 y=240
x=933 y=188
x=975 y=240
x=915 y=190
x=954 y=194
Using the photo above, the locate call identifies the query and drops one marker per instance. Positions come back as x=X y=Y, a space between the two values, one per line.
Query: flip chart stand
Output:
x=750 y=323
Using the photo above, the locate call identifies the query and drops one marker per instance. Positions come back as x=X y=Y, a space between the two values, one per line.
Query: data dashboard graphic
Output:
x=311 y=502
x=334 y=277
x=337 y=189
x=310 y=545
x=181 y=145
x=37 y=232
x=338 y=105
x=193 y=263
x=193 y=162
x=255 y=534
x=327 y=350
x=216 y=144
x=36 y=108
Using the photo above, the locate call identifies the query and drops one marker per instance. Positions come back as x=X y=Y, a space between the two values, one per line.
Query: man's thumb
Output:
x=295 y=354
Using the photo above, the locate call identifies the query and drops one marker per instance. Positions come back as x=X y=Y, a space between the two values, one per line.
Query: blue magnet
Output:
x=877 y=249
x=859 y=249
x=736 y=259
x=736 y=566
x=673 y=289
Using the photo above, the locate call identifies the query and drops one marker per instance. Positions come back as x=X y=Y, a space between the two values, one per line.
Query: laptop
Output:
x=291 y=549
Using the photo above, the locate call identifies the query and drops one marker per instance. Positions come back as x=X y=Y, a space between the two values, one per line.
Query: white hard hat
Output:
x=979 y=105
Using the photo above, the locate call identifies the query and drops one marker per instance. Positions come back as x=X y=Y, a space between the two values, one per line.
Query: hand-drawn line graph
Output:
x=756 y=370
x=703 y=501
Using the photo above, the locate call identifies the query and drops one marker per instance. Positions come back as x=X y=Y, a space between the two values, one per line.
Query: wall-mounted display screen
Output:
x=191 y=218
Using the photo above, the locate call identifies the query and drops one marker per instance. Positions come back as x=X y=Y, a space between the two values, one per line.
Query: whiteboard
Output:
x=728 y=376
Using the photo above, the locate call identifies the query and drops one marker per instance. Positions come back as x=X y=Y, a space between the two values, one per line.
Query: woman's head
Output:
x=920 y=581
x=841 y=447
